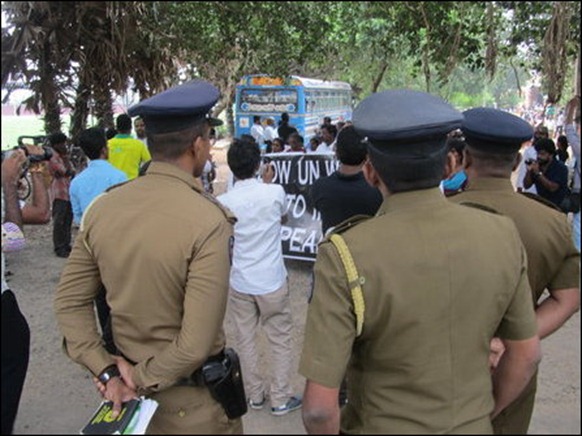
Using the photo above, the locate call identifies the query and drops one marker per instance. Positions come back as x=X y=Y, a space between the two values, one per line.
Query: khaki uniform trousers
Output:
x=190 y=410
x=274 y=311
x=515 y=418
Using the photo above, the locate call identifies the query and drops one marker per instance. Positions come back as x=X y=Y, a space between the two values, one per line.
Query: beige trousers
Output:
x=273 y=310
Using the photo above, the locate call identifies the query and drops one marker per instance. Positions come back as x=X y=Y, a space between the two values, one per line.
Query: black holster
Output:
x=225 y=383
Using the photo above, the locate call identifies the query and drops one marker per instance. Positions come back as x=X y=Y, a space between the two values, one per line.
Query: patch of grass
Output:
x=15 y=126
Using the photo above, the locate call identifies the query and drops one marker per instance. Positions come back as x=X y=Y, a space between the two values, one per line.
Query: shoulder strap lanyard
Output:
x=355 y=282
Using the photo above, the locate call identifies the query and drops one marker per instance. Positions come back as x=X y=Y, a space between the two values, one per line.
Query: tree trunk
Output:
x=379 y=77
x=516 y=77
x=80 y=112
x=104 y=108
x=577 y=76
x=426 y=48
x=230 y=114
x=49 y=101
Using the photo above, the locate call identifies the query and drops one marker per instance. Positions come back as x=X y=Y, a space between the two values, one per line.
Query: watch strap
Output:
x=108 y=373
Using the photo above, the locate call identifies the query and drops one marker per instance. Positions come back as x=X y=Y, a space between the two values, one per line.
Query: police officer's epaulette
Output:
x=226 y=211
x=480 y=206
x=347 y=224
x=541 y=200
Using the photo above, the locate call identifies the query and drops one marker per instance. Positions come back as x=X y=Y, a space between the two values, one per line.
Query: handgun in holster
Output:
x=225 y=383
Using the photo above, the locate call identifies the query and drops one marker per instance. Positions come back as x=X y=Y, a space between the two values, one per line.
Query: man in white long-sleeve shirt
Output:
x=572 y=130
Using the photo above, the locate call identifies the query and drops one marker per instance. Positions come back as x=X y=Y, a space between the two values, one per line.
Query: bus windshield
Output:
x=268 y=100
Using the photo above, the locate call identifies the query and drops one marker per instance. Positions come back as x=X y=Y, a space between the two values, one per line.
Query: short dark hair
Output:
x=284 y=117
x=92 y=141
x=545 y=144
x=295 y=135
x=563 y=141
x=110 y=133
x=330 y=128
x=256 y=118
x=501 y=161
x=123 y=123
x=402 y=170
x=172 y=145
x=247 y=137
x=57 y=138
x=350 y=148
x=243 y=158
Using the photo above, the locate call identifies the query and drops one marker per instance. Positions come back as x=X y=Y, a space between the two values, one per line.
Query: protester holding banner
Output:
x=258 y=278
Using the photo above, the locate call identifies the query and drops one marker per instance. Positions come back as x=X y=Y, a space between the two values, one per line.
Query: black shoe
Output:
x=63 y=254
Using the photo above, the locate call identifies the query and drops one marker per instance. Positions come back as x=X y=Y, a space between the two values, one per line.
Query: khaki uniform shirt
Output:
x=161 y=248
x=553 y=264
x=553 y=261
x=440 y=281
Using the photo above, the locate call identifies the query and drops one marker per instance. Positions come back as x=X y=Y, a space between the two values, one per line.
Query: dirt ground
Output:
x=59 y=396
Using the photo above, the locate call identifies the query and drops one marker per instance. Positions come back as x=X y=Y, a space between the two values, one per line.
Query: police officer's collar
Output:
x=424 y=198
x=167 y=169
x=489 y=184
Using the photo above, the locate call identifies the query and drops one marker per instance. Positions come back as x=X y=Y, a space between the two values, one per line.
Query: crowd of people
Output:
x=286 y=137
x=409 y=329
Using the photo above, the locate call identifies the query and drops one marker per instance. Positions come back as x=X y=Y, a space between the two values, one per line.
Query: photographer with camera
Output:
x=549 y=175
x=15 y=331
x=62 y=171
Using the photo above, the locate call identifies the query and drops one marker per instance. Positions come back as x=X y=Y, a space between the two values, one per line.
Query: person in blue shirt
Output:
x=457 y=179
x=85 y=187
x=99 y=174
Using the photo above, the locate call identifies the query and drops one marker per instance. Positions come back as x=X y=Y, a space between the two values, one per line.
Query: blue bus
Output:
x=306 y=101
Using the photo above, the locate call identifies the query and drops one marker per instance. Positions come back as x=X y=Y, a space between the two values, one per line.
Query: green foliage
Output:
x=76 y=54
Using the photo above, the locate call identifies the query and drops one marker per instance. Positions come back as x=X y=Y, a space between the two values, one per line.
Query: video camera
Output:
x=32 y=158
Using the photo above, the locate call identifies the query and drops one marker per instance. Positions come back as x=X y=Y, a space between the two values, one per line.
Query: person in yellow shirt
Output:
x=125 y=152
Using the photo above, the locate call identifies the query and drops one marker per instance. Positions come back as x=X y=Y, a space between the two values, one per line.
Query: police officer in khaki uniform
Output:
x=493 y=140
x=161 y=246
x=438 y=281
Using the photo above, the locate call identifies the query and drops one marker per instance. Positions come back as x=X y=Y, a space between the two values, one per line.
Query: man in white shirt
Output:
x=270 y=132
x=528 y=154
x=328 y=134
x=258 y=132
x=140 y=133
x=258 y=278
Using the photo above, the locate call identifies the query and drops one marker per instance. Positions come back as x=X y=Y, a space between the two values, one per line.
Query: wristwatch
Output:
x=108 y=373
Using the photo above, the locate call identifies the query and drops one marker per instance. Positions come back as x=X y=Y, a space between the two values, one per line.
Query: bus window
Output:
x=268 y=100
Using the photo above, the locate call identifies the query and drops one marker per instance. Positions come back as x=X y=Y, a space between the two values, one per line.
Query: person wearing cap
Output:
x=434 y=282
x=493 y=140
x=549 y=175
x=161 y=247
